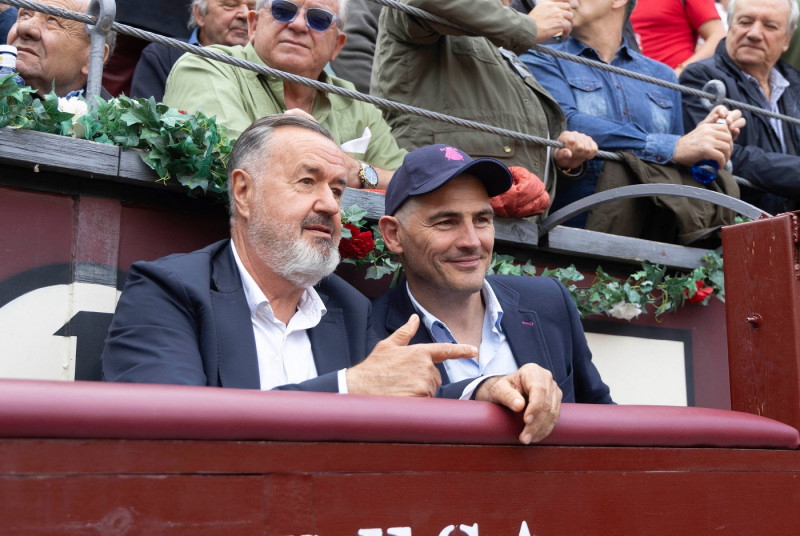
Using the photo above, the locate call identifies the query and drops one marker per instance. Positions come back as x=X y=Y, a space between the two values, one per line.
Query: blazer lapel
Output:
x=522 y=329
x=400 y=308
x=329 y=342
x=236 y=355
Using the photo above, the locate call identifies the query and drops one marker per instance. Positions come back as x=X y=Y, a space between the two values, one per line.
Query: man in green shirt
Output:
x=299 y=37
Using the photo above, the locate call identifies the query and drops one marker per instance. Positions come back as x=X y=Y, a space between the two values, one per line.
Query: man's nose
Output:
x=327 y=202
x=29 y=28
x=241 y=12
x=299 y=22
x=468 y=236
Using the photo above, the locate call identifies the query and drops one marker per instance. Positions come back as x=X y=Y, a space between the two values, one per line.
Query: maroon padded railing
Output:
x=50 y=409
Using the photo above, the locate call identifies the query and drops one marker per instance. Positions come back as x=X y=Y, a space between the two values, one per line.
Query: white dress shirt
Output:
x=283 y=350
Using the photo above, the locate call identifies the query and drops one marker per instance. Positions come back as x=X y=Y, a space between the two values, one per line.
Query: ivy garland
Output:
x=191 y=148
x=650 y=288
x=194 y=150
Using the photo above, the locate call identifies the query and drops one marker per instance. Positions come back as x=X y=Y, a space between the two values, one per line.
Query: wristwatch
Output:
x=368 y=176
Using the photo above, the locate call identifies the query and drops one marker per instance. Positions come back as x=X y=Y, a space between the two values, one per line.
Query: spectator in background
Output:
x=53 y=53
x=748 y=62
x=300 y=39
x=354 y=62
x=213 y=22
x=8 y=16
x=624 y=114
x=477 y=77
x=669 y=30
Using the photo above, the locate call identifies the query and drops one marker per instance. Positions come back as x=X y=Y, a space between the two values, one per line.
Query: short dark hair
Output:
x=248 y=150
x=629 y=7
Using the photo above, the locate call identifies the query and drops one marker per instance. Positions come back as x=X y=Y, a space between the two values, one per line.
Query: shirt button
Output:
x=625 y=112
x=658 y=159
x=619 y=86
x=507 y=149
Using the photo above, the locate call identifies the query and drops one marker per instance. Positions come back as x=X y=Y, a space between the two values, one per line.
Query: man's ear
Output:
x=243 y=192
x=390 y=231
x=252 y=22
x=199 y=18
x=341 y=39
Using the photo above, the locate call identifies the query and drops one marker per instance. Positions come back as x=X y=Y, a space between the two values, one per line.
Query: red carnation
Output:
x=358 y=245
x=701 y=294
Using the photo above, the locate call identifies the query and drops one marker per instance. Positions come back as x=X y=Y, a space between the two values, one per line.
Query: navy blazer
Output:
x=184 y=319
x=541 y=325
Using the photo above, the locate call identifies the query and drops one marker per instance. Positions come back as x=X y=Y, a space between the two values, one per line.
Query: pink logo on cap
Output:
x=451 y=153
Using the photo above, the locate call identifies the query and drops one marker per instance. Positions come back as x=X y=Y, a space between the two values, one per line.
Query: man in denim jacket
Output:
x=618 y=112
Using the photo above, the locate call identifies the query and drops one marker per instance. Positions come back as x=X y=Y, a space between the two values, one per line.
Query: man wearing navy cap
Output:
x=439 y=220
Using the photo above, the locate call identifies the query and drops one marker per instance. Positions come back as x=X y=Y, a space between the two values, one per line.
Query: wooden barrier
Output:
x=93 y=458
x=762 y=278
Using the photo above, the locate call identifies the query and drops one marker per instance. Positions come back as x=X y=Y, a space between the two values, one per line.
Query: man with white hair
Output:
x=748 y=63
x=213 y=22
x=263 y=310
x=53 y=53
x=299 y=38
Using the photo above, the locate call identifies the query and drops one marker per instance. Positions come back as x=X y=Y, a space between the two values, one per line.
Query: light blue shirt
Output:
x=494 y=354
x=777 y=85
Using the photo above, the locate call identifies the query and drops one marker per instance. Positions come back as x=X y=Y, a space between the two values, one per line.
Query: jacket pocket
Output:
x=589 y=96
x=477 y=144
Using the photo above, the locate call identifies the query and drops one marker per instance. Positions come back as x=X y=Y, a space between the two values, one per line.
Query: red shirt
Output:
x=667 y=29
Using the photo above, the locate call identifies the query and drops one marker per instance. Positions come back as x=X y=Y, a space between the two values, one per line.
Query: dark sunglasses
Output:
x=316 y=18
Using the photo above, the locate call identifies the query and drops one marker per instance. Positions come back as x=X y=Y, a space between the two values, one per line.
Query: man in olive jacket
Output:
x=464 y=74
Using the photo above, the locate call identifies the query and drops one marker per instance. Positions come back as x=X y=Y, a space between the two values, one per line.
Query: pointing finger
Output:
x=443 y=351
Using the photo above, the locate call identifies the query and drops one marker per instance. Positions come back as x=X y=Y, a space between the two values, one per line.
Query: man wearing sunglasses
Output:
x=299 y=37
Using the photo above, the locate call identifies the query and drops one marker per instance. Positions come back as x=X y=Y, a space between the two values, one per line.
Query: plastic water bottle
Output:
x=8 y=62
x=705 y=171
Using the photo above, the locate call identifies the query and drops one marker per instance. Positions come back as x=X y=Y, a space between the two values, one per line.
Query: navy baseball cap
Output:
x=428 y=168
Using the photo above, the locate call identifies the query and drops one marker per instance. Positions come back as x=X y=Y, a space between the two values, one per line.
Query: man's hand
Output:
x=533 y=383
x=553 y=18
x=732 y=118
x=395 y=368
x=709 y=141
x=578 y=148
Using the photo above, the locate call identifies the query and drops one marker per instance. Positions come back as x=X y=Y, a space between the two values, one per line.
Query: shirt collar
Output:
x=193 y=40
x=493 y=310
x=578 y=48
x=76 y=93
x=311 y=305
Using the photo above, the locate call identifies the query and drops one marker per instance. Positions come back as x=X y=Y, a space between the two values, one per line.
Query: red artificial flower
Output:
x=358 y=245
x=701 y=294
x=181 y=112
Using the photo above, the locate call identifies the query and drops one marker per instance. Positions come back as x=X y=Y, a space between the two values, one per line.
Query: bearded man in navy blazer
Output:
x=262 y=310
x=440 y=222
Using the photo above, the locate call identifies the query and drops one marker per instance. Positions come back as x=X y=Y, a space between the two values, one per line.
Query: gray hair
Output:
x=794 y=13
x=203 y=5
x=341 y=16
x=253 y=148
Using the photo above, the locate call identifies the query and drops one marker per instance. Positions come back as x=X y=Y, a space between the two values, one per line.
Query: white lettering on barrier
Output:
x=468 y=530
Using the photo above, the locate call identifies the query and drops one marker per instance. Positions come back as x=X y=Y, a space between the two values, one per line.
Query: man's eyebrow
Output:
x=457 y=214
